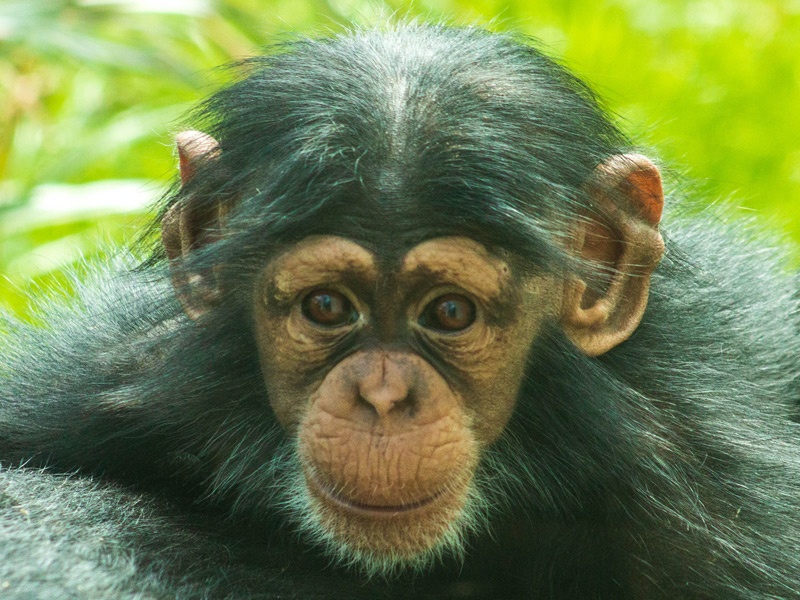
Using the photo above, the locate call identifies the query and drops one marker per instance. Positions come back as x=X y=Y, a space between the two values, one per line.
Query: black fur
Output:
x=666 y=468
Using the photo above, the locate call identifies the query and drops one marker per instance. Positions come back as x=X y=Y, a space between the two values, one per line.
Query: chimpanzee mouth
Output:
x=351 y=505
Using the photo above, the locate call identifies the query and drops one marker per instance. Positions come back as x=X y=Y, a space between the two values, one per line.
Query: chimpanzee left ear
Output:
x=191 y=223
x=620 y=245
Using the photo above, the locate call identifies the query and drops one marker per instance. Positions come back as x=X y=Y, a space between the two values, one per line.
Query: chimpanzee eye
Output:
x=451 y=312
x=328 y=308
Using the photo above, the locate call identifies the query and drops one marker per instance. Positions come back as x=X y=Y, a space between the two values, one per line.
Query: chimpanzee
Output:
x=411 y=329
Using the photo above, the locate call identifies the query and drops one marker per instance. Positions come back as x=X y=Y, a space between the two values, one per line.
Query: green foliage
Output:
x=91 y=90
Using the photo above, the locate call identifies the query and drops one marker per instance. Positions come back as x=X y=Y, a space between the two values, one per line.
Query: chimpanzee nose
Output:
x=386 y=388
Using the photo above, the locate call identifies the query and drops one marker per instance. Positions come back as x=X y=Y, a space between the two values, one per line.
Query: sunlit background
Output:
x=91 y=93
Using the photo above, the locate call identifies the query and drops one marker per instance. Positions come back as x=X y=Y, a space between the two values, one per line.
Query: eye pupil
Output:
x=326 y=303
x=452 y=312
x=329 y=308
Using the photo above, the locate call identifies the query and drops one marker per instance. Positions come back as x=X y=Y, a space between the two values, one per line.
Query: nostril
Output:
x=365 y=404
x=407 y=406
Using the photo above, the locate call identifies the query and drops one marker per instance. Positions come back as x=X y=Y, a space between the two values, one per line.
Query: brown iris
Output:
x=452 y=312
x=328 y=308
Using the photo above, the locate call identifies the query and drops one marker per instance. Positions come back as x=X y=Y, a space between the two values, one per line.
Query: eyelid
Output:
x=287 y=287
x=319 y=260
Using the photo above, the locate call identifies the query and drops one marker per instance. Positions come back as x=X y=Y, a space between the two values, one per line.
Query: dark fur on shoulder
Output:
x=667 y=468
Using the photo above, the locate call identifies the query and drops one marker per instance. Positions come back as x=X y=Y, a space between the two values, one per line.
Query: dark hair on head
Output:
x=457 y=128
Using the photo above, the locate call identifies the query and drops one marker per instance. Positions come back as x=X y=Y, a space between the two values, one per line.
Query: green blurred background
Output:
x=91 y=93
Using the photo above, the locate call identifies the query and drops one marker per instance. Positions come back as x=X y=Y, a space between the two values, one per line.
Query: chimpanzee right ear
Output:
x=189 y=224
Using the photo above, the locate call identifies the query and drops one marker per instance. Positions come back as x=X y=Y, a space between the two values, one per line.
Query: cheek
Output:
x=492 y=393
x=292 y=365
x=491 y=375
x=506 y=363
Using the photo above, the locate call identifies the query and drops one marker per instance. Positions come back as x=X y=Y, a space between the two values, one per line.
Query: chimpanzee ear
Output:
x=620 y=245
x=191 y=223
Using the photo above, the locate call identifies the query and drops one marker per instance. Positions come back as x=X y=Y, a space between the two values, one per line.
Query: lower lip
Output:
x=369 y=509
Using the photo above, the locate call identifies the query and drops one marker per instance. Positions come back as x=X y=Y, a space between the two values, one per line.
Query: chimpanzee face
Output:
x=393 y=377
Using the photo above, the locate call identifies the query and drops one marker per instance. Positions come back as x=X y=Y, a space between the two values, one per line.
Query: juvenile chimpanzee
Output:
x=412 y=332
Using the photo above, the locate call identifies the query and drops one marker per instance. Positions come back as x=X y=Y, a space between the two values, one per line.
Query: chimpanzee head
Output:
x=399 y=217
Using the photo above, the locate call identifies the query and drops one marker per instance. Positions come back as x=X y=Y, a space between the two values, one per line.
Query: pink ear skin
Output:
x=637 y=178
x=193 y=148
x=621 y=241
x=187 y=226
